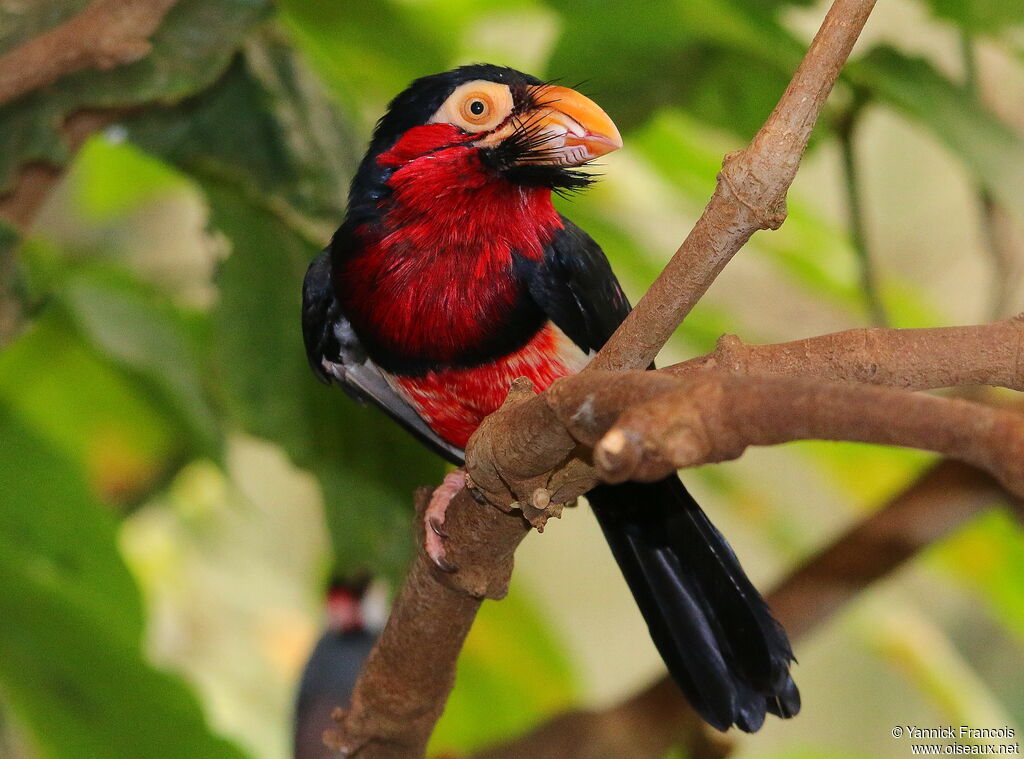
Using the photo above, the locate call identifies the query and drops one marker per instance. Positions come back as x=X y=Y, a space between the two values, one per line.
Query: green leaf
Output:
x=148 y=337
x=265 y=126
x=190 y=50
x=122 y=440
x=70 y=660
x=991 y=151
x=982 y=16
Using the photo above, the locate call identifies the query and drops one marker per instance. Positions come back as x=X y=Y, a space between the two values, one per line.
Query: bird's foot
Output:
x=433 y=519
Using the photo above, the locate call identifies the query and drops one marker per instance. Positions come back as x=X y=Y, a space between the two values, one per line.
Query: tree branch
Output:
x=106 y=34
x=750 y=195
x=714 y=417
x=580 y=410
x=776 y=393
x=522 y=449
x=913 y=359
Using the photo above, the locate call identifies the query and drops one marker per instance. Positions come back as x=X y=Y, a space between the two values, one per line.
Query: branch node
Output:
x=767 y=208
x=617 y=455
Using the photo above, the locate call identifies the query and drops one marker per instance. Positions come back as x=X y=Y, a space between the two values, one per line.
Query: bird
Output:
x=329 y=676
x=452 y=274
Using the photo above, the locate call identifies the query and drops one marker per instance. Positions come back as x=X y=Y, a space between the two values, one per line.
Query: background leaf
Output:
x=990 y=150
x=70 y=662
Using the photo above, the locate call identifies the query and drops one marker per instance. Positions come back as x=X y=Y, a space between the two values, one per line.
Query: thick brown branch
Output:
x=588 y=405
x=751 y=195
x=915 y=359
x=106 y=34
x=406 y=681
x=713 y=417
x=646 y=726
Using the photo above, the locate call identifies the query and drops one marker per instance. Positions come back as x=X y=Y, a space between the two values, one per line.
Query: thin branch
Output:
x=750 y=195
x=106 y=34
x=994 y=220
x=846 y=131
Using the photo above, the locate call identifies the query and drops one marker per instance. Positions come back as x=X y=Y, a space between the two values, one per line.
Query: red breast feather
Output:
x=435 y=273
x=434 y=277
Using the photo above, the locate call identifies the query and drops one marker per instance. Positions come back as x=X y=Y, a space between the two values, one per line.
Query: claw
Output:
x=433 y=518
x=444 y=565
x=435 y=527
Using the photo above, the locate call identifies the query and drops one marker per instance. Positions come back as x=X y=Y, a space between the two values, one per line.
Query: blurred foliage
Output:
x=151 y=349
x=66 y=589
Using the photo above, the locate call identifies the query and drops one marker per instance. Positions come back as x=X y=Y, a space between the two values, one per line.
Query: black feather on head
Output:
x=420 y=101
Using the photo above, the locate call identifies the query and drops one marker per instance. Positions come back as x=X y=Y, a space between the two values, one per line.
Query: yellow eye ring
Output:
x=476 y=108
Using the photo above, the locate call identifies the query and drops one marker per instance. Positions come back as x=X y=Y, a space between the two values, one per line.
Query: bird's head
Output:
x=498 y=120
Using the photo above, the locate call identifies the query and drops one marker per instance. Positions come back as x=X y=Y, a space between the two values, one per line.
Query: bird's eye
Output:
x=477 y=108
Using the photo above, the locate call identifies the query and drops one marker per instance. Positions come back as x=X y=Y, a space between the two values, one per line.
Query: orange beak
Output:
x=576 y=127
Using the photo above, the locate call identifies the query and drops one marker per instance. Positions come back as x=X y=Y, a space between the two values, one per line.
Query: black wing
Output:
x=576 y=288
x=337 y=357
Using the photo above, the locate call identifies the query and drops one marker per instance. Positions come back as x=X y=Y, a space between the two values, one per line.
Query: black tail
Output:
x=711 y=626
